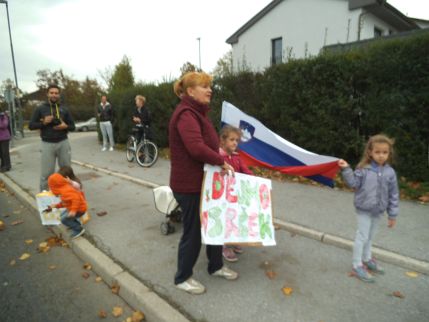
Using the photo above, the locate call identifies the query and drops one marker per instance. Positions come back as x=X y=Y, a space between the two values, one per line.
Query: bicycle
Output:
x=145 y=152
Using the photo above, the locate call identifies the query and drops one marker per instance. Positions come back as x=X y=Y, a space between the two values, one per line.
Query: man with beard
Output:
x=54 y=121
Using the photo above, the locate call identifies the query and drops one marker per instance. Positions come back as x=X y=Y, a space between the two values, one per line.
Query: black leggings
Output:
x=190 y=243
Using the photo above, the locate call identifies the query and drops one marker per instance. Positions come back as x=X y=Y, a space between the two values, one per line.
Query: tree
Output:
x=224 y=66
x=188 y=67
x=122 y=77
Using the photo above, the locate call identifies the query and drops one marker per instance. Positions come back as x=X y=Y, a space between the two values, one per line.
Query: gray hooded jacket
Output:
x=376 y=189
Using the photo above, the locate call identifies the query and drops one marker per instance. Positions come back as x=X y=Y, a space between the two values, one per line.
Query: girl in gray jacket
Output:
x=376 y=191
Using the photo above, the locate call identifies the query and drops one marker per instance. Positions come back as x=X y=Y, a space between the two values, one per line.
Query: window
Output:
x=378 y=32
x=276 y=51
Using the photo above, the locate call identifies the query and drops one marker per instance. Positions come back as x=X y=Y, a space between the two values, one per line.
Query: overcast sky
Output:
x=159 y=36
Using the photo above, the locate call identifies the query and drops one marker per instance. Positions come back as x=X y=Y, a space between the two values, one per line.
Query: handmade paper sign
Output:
x=45 y=199
x=236 y=209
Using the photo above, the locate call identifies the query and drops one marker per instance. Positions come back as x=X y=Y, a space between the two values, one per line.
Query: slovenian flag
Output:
x=261 y=147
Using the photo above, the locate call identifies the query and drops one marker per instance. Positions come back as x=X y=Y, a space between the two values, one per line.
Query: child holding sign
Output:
x=71 y=199
x=229 y=138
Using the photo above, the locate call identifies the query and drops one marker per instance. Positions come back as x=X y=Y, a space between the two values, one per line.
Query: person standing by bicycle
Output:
x=142 y=118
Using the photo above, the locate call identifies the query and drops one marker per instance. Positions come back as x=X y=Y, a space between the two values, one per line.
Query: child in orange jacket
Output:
x=71 y=199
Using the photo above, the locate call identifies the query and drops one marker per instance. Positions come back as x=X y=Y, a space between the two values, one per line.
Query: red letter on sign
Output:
x=230 y=181
x=264 y=196
x=217 y=186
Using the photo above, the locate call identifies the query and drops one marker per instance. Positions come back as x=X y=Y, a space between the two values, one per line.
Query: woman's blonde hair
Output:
x=227 y=130
x=191 y=80
x=141 y=98
x=379 y=138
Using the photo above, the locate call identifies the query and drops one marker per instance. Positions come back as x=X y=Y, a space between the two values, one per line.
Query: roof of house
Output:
x=379 y=8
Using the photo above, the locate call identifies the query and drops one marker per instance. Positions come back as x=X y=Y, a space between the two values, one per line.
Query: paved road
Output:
x=46 y=287
x=317 y=273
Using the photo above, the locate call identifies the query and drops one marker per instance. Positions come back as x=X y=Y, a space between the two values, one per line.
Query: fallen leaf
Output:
x=43 y=247
x=398 y=294
x=102 y=314
x=102 y=213
x=28 y=241
x=115 y=288
x=287 y=290
x=128 y=319
x=87 y=266
x=412 y=274
x=98 y=279
x=424 y=198
x=16 y=212
x=2 y=225
x=351 y=274
x=52 y=267
x=16 y=222
x=12 y=262
x=137 y=316
x=117 y=311
x=270 y=274
x=24 y=256
x=85 y=275
x=56 y=241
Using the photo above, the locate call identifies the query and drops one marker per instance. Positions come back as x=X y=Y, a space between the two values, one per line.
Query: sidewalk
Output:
x=130 y=235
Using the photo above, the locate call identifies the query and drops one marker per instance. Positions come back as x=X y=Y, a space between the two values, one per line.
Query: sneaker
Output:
x=226 y=273
x=191 y=286
x=372 y=266
x=229 y=255
x=111 y=148
x=237 y=249
x=103 y=149
x=77 y=234
x=362 y=274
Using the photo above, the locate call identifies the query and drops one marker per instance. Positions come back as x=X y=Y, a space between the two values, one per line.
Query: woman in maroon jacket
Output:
x=193 y=142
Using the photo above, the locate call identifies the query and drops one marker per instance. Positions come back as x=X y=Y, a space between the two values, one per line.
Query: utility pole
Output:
x=19 y=110
x=199 y=51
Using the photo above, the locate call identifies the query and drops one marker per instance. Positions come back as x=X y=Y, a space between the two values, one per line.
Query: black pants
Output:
x=190 y=243
x=4 y=155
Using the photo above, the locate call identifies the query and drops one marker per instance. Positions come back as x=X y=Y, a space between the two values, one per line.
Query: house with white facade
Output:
x=287 y=29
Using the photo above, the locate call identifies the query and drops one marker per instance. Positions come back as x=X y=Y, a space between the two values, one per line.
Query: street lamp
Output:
x=14 y=71
x=199 y=51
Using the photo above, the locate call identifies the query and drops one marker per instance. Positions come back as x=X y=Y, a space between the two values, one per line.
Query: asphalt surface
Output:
x=316 y=273
x=47 y=286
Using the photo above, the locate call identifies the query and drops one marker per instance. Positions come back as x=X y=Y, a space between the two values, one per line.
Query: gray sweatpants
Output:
x=107 y=132
x=52 y=152
x=367 y=227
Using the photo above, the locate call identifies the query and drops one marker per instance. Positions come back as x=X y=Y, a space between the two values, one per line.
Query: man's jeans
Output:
x=107 y=133
x=50 y=153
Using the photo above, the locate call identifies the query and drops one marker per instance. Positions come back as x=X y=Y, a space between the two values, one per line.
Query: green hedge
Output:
x=330 y=104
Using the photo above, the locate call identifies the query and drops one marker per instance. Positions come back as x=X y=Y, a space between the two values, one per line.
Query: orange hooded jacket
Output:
x=71 y=199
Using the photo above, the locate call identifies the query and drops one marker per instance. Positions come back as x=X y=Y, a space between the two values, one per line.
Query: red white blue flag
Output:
x=261 y=147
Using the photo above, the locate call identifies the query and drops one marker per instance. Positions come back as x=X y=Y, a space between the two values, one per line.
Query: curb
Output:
x=381 y=254
x=131 y=290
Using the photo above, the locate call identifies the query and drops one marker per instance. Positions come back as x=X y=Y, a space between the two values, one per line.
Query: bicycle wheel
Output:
x=147 y=153
x=130 y=149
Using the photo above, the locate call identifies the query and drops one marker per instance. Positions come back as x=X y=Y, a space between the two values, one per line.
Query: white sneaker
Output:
x=111 y=148
x=191 y=286
x=103 y=149
x=226 y=273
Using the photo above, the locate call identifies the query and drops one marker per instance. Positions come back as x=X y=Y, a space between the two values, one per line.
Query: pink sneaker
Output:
x=229 y=254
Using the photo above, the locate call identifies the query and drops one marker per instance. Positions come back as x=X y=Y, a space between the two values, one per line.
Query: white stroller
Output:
x=166 y=204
